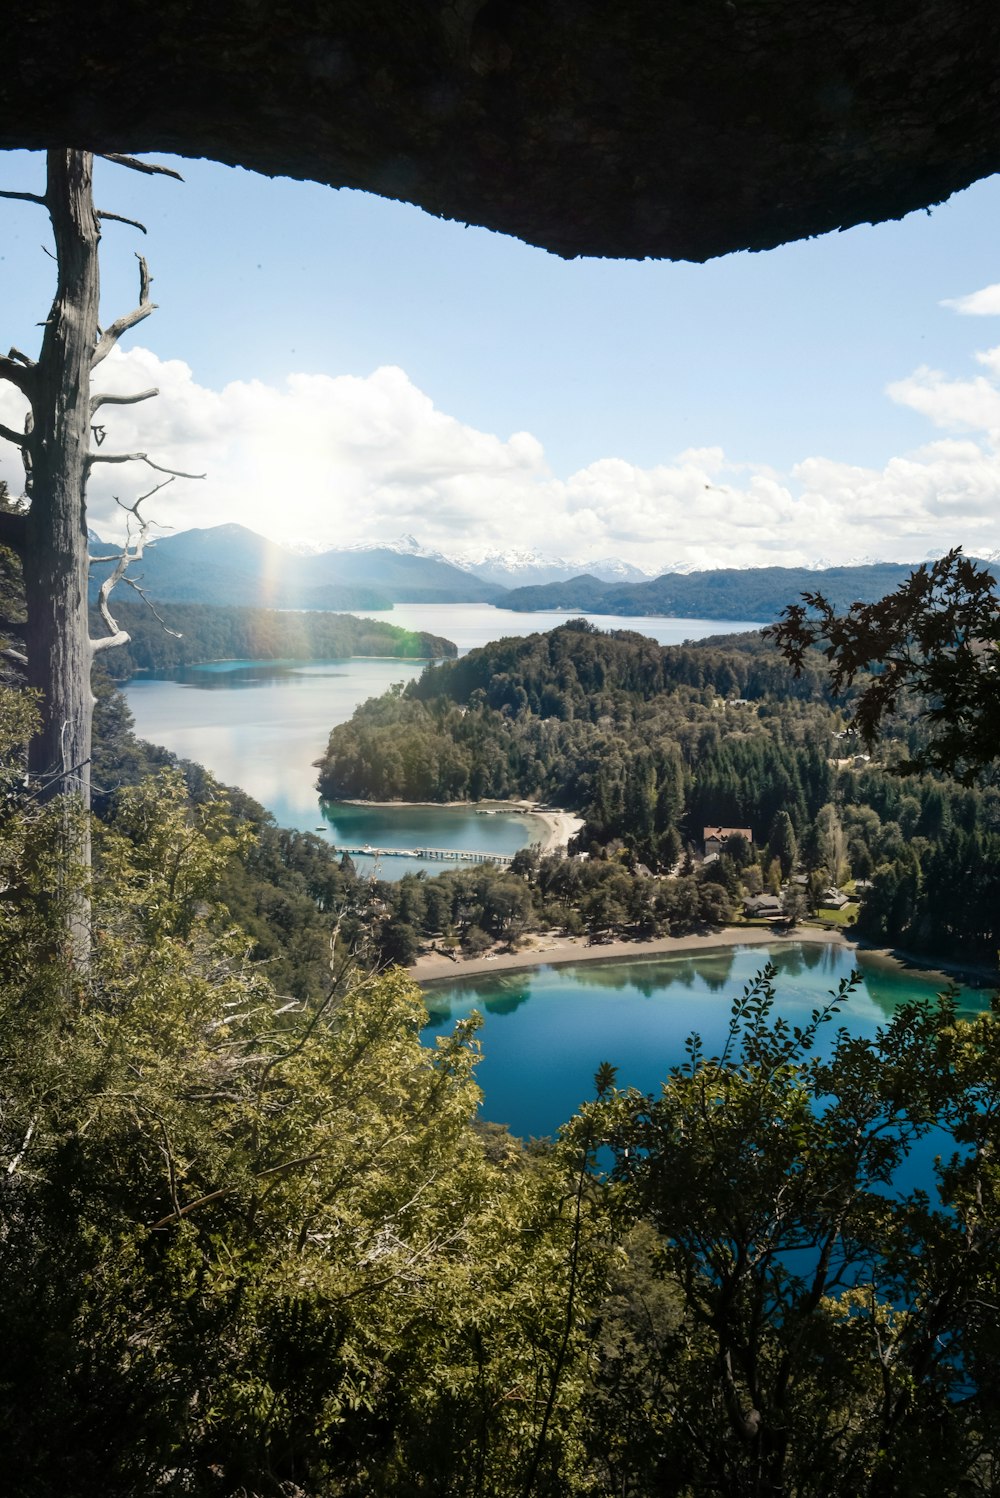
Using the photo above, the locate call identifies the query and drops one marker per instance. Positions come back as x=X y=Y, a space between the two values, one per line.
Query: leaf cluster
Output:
x=936 y=636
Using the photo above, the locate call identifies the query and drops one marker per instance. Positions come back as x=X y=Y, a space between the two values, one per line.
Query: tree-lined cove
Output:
x=261 y=723
x=545 y=1029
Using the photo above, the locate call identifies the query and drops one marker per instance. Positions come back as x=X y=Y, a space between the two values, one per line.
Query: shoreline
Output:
x=568 y=951
x=563 y=951
x=558 y=825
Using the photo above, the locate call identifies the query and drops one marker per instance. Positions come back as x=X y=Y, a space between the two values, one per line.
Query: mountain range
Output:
x=230 y=564
x=750 y=594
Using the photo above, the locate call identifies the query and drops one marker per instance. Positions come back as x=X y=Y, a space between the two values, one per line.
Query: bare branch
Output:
x=18 y=374
x=27 y=455
x=97 y=401
x=119 y=218
x=15 y=353
x=121 y=325
x=14 y=655
x=133 y=583
x=116 y=635
x=18 y=438
x=131 y=552
x=109 y=642
x=135 y=165
x=140 y=458
x=23 y=197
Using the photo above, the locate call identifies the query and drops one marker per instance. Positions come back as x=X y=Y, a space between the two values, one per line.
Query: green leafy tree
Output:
x=782 y=844
x=828 y=1331
x=937 y=635
x=250 y=1244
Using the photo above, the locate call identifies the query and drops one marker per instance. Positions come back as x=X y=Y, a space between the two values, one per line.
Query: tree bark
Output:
x=56 y=551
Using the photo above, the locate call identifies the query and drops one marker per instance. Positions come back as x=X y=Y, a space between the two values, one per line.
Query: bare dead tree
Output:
x=50 y=534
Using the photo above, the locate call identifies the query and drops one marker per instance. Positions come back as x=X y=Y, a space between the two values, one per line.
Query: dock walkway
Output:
x=445 y=855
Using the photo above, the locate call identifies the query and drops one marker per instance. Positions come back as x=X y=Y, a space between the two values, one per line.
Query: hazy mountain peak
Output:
x=519 y=566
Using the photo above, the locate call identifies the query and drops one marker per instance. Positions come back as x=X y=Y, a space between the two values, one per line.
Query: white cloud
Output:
x=958 y=405
x=340 y=460
x=984 y=303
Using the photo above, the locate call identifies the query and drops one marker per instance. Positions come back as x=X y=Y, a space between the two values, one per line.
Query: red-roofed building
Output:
x=716 y=838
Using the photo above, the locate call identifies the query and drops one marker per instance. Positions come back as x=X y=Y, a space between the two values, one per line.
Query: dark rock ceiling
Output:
x=680 y=128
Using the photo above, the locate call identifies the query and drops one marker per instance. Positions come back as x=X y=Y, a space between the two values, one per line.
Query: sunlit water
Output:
x=546 y=1030
x=263 y=724
x=469 y=625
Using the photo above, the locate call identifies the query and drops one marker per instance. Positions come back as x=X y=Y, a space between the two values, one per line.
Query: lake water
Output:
x=262 y=724
x=546 y=1030
x=471 y=624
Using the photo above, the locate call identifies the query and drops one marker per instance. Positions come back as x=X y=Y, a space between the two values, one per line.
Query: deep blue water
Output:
x=546 y=1030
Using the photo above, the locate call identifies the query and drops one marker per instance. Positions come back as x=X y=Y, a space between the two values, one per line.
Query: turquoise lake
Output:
x=546 y=1030
x=261 y=725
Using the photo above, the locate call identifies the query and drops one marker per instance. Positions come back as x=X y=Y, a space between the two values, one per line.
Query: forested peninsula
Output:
x=652 y=744
x=197 y=632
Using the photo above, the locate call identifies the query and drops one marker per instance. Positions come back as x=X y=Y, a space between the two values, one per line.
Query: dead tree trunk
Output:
x=51 y=536
x=53 y=546
x=55 y=552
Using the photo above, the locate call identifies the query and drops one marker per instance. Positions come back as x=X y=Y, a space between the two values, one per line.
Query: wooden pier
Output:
x=445 y=855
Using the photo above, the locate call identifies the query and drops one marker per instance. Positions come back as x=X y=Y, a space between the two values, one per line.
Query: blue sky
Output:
x=347 y=369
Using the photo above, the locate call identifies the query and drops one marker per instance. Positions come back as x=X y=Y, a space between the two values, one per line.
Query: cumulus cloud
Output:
x=957 y=405
x=984 y=303
x=341 y=460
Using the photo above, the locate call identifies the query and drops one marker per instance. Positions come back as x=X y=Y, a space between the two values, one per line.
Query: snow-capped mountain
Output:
x=511 y=568
x=403 y=546
x=518 y=568
x=823 y=564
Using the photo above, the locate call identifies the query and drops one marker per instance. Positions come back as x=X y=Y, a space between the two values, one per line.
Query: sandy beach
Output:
x=544 y=950
x=557 y=826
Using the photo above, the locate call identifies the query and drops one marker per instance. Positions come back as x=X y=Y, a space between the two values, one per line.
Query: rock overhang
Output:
x=683 y=129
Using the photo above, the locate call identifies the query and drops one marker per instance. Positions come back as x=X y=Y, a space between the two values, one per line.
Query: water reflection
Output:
x=511 y=998
x=651 y=975
x=546 y=1030
x=502 y=993
x=232 y=676
x=881 y=976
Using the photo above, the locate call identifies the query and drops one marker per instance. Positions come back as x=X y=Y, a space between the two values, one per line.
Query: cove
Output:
x=262 y=724
x=546 y=1030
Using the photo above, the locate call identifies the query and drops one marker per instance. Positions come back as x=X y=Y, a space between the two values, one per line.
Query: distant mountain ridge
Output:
x=518 y=569
x=232 y=565
x=753 y=594
x=509 y=568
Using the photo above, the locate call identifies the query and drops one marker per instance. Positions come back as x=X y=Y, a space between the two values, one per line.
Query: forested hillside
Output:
x=255 y=1244
x=205 y=632
x=724 y=593
x=652 y=744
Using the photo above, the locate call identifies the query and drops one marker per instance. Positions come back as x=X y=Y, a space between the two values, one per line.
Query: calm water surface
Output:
x=473 y=624
x=262 y=724
x=546 y=1030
